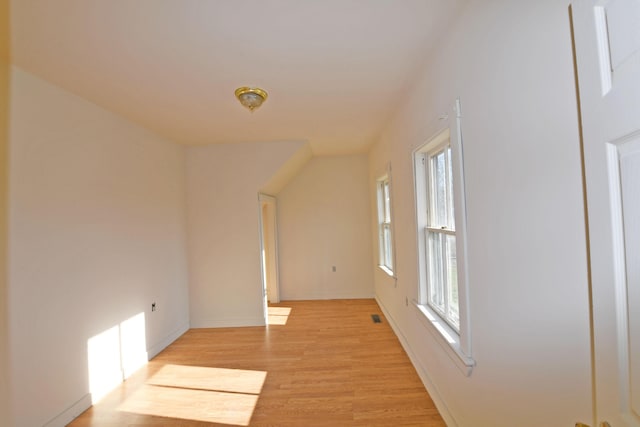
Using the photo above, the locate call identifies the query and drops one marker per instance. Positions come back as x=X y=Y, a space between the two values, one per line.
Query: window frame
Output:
x=386 y=246
x=456 y=341
x=442 y=228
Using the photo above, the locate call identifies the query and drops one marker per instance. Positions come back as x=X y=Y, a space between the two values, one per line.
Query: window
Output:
x=441 y=220
x=385 y=233
x=440 y=235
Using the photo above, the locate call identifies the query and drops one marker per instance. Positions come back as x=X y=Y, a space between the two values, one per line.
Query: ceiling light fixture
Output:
x=251 y=97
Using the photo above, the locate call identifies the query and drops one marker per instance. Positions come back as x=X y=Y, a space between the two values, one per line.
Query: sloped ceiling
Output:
x=335 y=70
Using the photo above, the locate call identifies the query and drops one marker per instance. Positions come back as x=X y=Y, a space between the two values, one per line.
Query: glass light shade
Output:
x=251 y=98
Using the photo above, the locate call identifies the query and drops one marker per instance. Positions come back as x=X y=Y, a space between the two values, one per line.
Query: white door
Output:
x=607 y=42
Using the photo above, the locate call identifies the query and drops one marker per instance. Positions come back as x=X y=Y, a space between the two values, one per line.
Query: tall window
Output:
x=441 y=220
x=440 y=235
x=385 y=238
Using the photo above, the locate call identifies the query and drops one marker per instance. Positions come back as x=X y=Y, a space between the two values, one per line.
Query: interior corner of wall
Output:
x=289 y=169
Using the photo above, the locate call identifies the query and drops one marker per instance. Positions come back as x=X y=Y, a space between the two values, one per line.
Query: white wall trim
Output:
x=84 y=403
x=71 y=412
x=446 y=337
x=302 y=296
x=228 y=323
x=131 y=369
x=157 y=348
x=420 y=369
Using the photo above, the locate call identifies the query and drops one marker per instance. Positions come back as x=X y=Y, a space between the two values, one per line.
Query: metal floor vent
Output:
x=376 y=318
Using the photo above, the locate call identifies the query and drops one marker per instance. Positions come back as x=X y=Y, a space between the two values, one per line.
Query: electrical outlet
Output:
x=406 y=301
x=153 y=306
x=333 y=268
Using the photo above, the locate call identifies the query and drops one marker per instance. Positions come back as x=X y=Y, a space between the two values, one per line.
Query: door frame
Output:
x=269 y=246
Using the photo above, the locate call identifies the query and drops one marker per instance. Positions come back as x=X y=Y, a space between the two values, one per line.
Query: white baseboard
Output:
x=85 y=402
x=156 y=349
x=314 y=297
x=422 y=372
x=135 y=364
x=71 y=413
x=227 y=323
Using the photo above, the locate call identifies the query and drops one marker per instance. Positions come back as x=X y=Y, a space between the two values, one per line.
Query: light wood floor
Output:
x=329 y=365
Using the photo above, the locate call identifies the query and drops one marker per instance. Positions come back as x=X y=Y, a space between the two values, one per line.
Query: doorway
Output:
x=269 y=251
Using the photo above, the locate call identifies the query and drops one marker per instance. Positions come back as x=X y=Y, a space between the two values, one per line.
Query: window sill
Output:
x=386 y=270
x=448 y=339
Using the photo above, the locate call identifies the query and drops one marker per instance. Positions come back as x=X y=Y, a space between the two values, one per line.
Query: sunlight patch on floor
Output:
x=278 y=315
x=211 y=379
x=216 y=395
x=197 y=405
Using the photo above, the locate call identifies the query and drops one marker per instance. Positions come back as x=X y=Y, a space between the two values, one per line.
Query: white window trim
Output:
x=426 y=156
x=456 y=344
x=446 y=336
x=389 y=271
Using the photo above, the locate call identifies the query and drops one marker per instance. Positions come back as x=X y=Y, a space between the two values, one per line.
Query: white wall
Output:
x=223 y=182
x=324 y=221
x=288 y=170
x=97 y=233
x=511 y=65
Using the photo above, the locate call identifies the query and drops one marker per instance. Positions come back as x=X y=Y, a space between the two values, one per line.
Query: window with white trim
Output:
x=440 y=235
x=441 y=220
x=385 y=233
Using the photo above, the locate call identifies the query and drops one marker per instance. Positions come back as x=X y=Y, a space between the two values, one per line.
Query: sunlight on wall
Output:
x=215 y=395
x=133 y=345
x=105 y=372
x=278 y=315
x=115 y=354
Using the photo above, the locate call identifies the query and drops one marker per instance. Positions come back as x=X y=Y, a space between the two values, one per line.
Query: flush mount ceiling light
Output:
x=251 y=97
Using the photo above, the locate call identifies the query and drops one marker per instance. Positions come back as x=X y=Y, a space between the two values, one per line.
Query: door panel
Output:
x=607 y=43
x=629 y=155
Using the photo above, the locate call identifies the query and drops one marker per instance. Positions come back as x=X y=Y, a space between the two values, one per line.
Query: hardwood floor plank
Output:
x=328 y=365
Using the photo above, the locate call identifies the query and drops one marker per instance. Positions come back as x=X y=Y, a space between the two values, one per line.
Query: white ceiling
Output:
x=335 y=70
